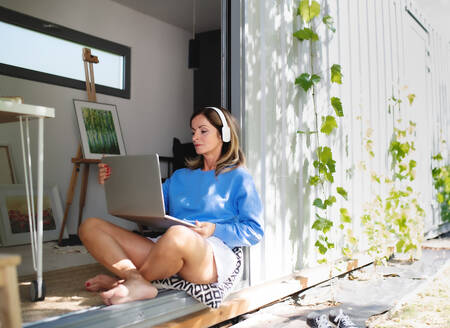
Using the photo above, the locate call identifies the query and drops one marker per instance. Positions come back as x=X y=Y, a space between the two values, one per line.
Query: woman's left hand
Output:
x=204 y=229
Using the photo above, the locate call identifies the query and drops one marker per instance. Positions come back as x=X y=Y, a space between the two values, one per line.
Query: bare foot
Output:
x=101 y=282
x=133 y=289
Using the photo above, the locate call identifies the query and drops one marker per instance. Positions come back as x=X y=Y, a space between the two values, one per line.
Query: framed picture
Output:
x=15 y=228
x=6 y=167
x=99 y=129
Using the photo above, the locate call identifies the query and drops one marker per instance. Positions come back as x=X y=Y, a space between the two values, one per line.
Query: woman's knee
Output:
x=89 y=226
x=178 y=236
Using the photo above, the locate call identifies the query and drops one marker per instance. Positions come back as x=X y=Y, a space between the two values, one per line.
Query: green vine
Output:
x=395 y=218
x=441 y=182
x=324 y=164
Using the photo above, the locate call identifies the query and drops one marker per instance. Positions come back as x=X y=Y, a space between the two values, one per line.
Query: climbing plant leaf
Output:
x=328 y=21
x=322 y=224
x=314 y=180
x=315 y=78
x=306 y=81
x=329 y=201
x=306 y=34
x=345 y=217
x=346 y=251
x=325 y=154
x=318 y=203
x=321 y=247
x=326 y=164
x=308 y=12
x=341 y=191
x=411 y=98
x=323 y=205
x=400 y=245
x=336 y=75
x=337 y=105
x=437 y=157
x=328 y=124
x=325 y=239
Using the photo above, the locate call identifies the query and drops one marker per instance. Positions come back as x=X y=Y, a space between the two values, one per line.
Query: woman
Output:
x=215 y=192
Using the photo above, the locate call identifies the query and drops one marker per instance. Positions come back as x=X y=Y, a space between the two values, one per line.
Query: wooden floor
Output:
x=65 y=293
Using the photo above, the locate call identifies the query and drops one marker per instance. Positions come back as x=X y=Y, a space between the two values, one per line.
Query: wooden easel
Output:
x=88 y=60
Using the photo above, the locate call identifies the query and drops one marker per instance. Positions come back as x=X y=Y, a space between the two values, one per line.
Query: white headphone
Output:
x=226 y=134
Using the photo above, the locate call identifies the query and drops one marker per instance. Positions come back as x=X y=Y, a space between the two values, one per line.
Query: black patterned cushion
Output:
x=211 y=295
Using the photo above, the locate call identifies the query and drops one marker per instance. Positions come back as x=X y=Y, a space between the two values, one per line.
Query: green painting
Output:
x=100 y=130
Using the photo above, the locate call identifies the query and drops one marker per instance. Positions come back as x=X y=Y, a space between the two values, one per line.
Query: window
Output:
x=56 y=55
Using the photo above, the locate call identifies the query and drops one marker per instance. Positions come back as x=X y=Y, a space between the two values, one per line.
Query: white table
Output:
x=12 y=112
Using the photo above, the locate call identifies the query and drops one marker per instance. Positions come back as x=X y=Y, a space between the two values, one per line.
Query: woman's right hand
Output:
x=104 y=172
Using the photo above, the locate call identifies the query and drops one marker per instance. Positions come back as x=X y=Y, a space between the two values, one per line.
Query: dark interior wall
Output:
x=207 y=77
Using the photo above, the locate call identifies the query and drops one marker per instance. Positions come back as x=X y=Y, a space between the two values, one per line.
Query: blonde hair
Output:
x=232 y=156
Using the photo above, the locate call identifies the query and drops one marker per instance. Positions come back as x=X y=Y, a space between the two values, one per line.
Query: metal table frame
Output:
x=12 y=112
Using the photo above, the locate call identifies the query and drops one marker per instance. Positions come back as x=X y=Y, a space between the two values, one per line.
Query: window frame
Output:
x=35 y=24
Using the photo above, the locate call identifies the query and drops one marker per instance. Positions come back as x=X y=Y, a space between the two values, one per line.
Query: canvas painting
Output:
x=99 y=129
x=17 y=209
x=15 y=223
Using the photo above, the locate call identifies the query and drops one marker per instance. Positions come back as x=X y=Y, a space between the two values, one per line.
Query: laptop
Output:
x=134 y=191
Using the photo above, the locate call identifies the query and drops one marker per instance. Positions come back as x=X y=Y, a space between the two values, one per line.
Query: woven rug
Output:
x=65 y=292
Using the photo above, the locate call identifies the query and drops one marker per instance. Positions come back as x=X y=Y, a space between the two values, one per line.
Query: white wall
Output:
x=161 y=92
x=380 y=52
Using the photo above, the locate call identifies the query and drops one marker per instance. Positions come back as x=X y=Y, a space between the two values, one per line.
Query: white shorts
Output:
x=223 y=255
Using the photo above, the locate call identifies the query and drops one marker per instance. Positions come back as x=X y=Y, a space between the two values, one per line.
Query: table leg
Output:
x=40 y=191
x=25 y=139
x=36 y=223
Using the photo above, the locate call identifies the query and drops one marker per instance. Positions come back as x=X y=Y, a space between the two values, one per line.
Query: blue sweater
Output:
x=229 y=200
